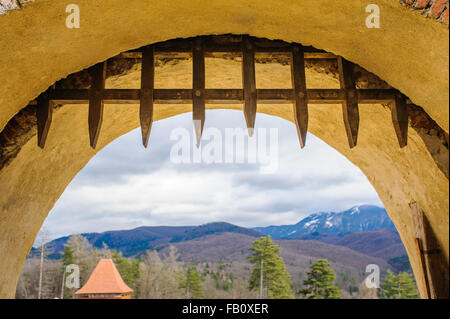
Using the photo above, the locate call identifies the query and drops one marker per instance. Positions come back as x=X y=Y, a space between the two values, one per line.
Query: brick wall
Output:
x=437 y=9
x=7 y=5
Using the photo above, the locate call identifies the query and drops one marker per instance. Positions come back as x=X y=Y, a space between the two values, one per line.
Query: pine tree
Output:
x=192 y=285
x=128 y=270
x=275 y=280
x=68 y=258
x=399 y=286
x=320 y=282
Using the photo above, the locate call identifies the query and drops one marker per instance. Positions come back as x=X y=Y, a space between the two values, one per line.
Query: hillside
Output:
x=135 y=241
x=234 y=247
x=382 y=243
x=297 y=254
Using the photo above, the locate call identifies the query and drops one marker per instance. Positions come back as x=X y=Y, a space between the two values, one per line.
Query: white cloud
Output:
x=126 y=186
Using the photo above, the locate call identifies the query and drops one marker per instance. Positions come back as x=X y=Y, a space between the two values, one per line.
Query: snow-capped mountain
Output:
x=357 y=219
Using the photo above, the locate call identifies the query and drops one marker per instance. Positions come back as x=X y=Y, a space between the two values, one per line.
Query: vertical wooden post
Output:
x=249 y=83
x=198 y=86
x=422 y=275
x=350 y=106
x=298 y=77
x=399 y=111
x=147 y=86
x=44 y=112
x=98 y=75
x=436 y=272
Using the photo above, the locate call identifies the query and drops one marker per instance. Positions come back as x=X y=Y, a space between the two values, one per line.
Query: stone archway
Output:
x=47 y=51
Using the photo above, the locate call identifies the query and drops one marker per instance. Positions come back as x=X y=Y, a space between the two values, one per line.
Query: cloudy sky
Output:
x=126 y=186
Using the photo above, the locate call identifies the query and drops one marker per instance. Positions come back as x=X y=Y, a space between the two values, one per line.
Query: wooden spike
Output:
x=98 y=74
x=301 y=98
x=44 y=112
x=350 y=106
x=147 y=87
x=399 y=112
x=198 y=86
x=249 y=83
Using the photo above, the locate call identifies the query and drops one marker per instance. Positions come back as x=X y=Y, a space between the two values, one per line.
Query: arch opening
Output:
x=106 y=169
x=396 y=196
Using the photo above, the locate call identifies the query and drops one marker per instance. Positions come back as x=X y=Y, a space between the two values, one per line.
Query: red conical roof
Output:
x=105 y=279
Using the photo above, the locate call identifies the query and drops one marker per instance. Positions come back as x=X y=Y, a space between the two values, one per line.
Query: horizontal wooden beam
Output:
x=263 y=54
x=218 y=46
x=220 y=54
x=224 y=44
x=220 y=96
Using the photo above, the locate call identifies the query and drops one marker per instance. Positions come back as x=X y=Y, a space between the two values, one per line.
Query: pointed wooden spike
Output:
x=399 y=112
x=249 y=83
x=251 y=131
x=198 y=86
x=198 y=129
x=44 y=112
x=301 y=98
x=98 y=74
x=147 y=86
x=350 y=106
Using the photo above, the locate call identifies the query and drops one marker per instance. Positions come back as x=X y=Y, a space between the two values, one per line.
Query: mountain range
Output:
x=357 y=219
x=135 y=241
x=363 y=232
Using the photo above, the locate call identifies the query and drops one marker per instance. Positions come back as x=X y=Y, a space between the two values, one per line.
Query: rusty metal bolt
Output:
x=96 y=93
x=352 y=93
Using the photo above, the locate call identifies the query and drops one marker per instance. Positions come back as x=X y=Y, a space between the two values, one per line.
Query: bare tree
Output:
x=84 y=256
x=42 y=238
x=160 y=278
